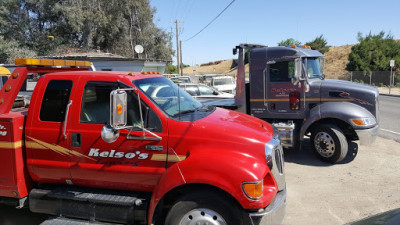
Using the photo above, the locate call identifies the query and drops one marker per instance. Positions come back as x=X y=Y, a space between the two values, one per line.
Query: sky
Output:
x=269 y=22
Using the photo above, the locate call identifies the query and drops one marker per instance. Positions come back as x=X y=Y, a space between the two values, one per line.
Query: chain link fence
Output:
x=373 y=78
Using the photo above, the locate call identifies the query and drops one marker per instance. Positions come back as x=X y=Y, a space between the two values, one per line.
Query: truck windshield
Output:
x=164 y=93
x=222 y=81
x=314 y=69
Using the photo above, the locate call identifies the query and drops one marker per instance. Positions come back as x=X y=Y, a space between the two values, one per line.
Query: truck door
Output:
x=126 y=163
x=282 y=97
x=48 y=157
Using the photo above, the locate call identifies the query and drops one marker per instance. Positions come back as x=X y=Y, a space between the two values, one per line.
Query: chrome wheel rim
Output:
x=324 y=144
x=202 y=217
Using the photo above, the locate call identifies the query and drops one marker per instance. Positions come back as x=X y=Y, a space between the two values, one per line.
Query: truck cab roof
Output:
x=283 y=52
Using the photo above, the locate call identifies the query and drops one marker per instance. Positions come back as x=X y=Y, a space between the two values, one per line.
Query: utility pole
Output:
x=180 y=54
x=177 y=44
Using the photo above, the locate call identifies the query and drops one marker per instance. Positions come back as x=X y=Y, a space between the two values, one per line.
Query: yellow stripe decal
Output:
x=171 y=157
x=11 y=145
x=59 y=149
x=31 y=144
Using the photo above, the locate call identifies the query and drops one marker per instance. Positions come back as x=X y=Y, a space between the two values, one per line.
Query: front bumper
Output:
x=367 y=136
x=273 y=213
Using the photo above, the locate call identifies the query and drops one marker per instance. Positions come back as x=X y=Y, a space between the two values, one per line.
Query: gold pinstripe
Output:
x=10 y=145
x=171 y=157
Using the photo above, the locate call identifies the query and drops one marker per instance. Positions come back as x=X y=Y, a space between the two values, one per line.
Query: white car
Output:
x=224 y=84
x=201 y=91
x=181 y=79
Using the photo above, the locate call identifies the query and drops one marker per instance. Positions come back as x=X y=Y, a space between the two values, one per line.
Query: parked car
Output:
x=181 y=79
x=203 y=91
x=224 y=84
x=210 y=96
x=206 y=78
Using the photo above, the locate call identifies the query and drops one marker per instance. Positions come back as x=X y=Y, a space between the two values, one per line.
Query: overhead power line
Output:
x=211 y=21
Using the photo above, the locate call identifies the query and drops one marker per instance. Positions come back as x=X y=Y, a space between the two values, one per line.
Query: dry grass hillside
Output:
x=336 y=60
x=220 y=68
x=335 y=65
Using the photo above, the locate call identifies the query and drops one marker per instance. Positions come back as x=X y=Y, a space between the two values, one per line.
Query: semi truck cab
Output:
x=287 y=87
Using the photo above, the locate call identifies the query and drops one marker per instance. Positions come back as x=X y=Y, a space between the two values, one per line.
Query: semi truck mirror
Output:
x=118 y=109
x=295 y=81
x=297 y=71
x=109 y=134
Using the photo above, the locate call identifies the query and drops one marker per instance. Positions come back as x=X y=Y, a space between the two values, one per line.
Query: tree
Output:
x=115 y=26
x=319 y=44
x=171 y=69
x=289 y=41
x=373 y=53
x=9 y=50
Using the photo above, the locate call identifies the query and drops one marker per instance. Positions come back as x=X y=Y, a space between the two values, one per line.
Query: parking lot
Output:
x=320 y=193
x=361 y=186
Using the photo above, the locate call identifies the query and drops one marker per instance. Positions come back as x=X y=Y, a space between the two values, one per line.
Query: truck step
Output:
x=90 y=204
x=69 y=221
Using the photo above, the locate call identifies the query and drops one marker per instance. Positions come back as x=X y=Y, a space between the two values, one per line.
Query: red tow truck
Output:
x=131 y=148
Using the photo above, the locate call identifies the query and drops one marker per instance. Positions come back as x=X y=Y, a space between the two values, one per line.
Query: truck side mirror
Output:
x=118 y=116
x=109 y=134
x=118 y=112
x=297 y=71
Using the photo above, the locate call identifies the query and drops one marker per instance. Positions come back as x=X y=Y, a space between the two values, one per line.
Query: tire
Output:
x=329 y=143
x=202 y=207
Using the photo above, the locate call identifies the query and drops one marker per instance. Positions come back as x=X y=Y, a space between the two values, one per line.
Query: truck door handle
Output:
x=75 y=139
x=66 y=119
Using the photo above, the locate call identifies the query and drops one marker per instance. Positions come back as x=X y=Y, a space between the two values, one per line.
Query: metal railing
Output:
x=373 y=78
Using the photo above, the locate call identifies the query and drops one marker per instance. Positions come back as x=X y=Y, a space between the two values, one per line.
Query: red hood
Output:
x=223 y=130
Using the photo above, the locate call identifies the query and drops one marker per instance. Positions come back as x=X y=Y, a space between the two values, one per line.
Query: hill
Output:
x=335 y=65
x=336 y=60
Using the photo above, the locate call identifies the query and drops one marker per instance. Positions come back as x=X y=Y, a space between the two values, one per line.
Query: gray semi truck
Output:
x=288 y=89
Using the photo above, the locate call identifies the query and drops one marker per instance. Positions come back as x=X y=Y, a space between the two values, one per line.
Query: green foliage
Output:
x=9 y=50
x=373 y=53
x=171 y=69
x=246 y=56
x=289 y=41
x=115 y=26
x=319 y=44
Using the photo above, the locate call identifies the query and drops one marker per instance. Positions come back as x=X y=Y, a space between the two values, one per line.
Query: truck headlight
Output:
x=253 y=189
x=365 y=122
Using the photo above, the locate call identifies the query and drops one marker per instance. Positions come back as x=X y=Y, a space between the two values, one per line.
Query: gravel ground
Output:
x=358 y=187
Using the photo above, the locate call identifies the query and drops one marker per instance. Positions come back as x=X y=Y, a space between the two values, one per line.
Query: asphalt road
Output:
x=389 y=108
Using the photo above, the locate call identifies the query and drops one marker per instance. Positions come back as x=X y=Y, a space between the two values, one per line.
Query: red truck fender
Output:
x=200 y=168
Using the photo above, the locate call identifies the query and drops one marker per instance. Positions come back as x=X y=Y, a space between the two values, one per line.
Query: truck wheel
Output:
x=204 y=208
x=329 y=143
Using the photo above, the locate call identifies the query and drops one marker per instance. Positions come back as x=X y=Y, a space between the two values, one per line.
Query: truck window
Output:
x=204 y=90
x=281 y=71
x=96 y=106
x=96 y=102
x=55 y=100
x=192 y=90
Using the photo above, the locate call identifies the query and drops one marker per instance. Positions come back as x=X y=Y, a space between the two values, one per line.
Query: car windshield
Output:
x=314 y=67
x=164 y=93
x=223 y=81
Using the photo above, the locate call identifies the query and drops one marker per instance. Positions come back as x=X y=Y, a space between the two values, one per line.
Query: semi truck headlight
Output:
x=364 y=121
x=253 y=189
